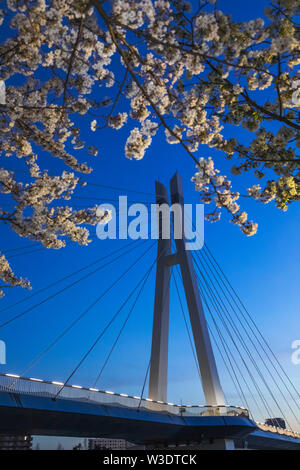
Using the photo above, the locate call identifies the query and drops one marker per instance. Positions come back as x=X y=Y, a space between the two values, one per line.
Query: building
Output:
x=111 y=444
x=102 y=443
x=15 y=442
x=276 y=422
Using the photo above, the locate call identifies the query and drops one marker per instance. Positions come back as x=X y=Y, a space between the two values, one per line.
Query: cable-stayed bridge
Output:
x=222 y=337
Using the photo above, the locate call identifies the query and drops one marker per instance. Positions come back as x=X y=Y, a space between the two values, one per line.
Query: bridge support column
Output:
x=159 y=353
x=160 y=336
x=210 y=379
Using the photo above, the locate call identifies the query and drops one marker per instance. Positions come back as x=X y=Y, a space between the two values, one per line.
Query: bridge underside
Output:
x=36 y=415
x=262 y=440
x=25 y=414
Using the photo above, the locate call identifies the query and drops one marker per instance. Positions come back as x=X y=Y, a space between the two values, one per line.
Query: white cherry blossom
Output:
x=142 y=65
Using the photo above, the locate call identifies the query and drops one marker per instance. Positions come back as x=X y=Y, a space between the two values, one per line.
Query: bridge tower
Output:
x=165 y=259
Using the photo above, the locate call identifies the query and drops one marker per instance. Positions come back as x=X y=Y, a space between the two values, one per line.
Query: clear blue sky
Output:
x=264 y=270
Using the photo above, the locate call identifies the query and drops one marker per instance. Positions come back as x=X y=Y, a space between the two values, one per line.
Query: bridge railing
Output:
x=277 y=430
x=32 y=386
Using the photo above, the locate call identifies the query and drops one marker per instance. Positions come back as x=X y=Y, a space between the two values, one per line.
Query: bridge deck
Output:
x=24 y=413
x=28 y=406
